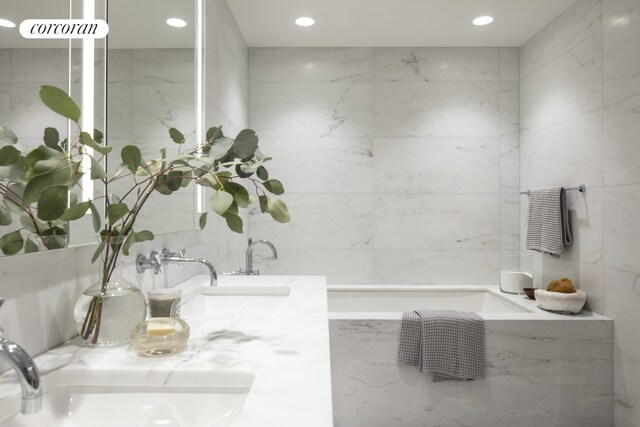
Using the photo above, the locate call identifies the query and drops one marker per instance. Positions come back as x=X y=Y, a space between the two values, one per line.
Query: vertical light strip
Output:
x=86 y=122
x=199 y=87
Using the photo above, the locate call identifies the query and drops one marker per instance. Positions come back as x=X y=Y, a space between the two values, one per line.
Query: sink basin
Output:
x=138 y=399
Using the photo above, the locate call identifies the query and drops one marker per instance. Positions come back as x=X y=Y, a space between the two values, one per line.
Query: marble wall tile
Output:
x=509 y=165
x=311 y=109
x=591 y=280
x=340 y=266
x=581 y=20
x=509 y=64
x=5 y=65
x=437 y=222
x=621 y=95
x=437 y=64
x=29 y=116
x=568 y=153
x=158 y=107
x=451 y=267
x=120 y=110
x=509 y=109
x=321 y=165
x=613 y=11
x=621 y=227
x=163 y=65
x=509 y=221
x=586 y=216
x=120 y=66
x=320 y=221
x=5 y=105
x=566 y=88
x=436 y=109
x=310 y=64
x=39 y=66
x=621 y=302
x=436 y=165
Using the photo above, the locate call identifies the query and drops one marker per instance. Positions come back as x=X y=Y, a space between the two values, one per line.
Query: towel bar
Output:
x=581 y=188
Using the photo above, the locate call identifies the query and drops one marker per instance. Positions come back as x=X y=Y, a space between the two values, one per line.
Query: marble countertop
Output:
x=283 y=342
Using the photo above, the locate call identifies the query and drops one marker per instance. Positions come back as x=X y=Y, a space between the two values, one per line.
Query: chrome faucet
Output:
x=249 y=271
x=27 y=372
x=156 y=260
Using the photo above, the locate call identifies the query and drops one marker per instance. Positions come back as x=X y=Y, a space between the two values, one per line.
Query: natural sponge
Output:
x=563 y=286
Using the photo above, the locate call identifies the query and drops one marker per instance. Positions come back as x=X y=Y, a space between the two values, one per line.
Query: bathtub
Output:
x=542 y=368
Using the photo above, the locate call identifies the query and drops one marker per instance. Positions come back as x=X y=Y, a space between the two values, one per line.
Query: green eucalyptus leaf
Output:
x=76 y=211
x=96 y=169
x=262 y=173
x=132 y=157
x=11 y=243
x=264 y=203
x=242 y=173
x=30 y=246
x=53 y=202
x=274 y=186
x=133 y=237
x=176 y=136
x=95 y=217
x=58 y=101
x=98 y=136
x=203 y=220
x=220 y=148
x=5 y=215
x=51 y=138
x=234 y=222
x=9 y=155
x=99 y=250
x=245 y=144
x=116 y=212
x=240 y=194
x=278 y=210
x=220 y=202
x=214 y=133
x=8 y=136
x=54 y=238
x=87 y=141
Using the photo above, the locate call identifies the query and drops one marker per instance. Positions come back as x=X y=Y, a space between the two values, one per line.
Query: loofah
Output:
x=563 y=286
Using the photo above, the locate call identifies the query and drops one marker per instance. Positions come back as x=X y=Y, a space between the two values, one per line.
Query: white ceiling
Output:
x=270 y=23
x=132 y=23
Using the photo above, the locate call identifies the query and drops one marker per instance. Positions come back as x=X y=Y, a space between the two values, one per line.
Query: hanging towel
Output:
x=448 y=344
x=548 y=229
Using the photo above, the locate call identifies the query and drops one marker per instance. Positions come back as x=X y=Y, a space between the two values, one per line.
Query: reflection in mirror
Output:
x=25 y=65
x=151 y=88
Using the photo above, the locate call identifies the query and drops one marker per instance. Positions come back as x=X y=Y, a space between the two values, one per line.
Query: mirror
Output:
x=151 y=88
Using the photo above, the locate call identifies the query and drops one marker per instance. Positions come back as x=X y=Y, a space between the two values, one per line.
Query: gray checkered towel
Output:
x=548 y=229
x=447 y=343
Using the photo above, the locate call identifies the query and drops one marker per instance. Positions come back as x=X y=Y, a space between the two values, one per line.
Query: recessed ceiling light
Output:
x=483 y=20
x=176 y=22
x=305 y=21
x=6 y=23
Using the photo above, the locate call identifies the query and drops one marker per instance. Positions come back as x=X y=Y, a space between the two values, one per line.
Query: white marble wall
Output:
x=41 y=289
x=580 y=116
x=539 y=373
x=400 y=164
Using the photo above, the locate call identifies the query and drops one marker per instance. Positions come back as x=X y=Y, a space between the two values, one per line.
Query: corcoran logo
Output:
x=64 y=29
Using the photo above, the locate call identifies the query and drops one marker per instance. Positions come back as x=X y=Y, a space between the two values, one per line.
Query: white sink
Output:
x=126 y=398
x=246 y=290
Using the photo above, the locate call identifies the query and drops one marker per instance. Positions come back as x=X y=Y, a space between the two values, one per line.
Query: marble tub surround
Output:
x=542 y=369
x=580 y=86
x=286 y=350
x=393 y=146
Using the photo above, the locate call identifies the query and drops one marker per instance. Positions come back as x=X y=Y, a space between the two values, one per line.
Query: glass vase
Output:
x=107 y=318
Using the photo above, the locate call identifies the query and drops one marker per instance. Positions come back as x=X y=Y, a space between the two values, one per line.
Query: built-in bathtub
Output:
x=543 y=369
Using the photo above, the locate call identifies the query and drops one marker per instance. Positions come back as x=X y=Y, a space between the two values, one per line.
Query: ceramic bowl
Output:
x=560 y=303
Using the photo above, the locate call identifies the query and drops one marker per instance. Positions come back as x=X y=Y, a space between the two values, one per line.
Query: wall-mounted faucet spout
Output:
x=27 y=372
x=249 y=271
